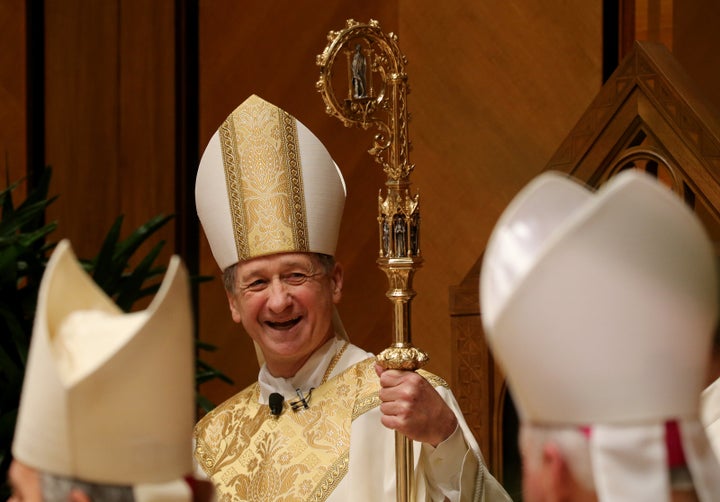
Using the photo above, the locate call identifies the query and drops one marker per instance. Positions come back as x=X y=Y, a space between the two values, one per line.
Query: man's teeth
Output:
x=284 y=324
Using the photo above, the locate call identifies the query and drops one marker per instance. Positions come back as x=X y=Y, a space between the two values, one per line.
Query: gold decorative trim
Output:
x=435 y=381
x=365 y=404
x=334 y=362
x=232 y=175
x=332 y=478
x=201 y=453
x=263 y=175
x=292 y=149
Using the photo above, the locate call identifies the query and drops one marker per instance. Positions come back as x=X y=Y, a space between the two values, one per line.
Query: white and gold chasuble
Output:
x=335 y=450
x=252 y=455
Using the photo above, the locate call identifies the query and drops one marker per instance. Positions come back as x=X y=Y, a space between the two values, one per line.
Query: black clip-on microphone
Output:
x=276 y=403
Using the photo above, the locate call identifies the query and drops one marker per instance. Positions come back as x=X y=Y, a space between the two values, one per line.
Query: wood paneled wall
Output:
x=696 y=44
x=494 y=88
x=489 y=101
x=109 y=117
x=13 y=110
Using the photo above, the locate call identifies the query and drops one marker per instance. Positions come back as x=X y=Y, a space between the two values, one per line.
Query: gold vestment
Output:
x=252 y=455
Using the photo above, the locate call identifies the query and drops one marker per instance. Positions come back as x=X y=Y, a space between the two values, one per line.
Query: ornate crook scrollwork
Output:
x=376 y=91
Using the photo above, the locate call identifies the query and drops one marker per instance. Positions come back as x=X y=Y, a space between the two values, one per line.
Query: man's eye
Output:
x=256 y=285
x=295 y=278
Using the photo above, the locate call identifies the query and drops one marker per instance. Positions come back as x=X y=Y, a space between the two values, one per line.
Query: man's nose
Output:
x=279 y=297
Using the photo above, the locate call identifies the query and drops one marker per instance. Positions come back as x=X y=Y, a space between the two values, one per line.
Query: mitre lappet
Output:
x=108 y=396
x=600 y=307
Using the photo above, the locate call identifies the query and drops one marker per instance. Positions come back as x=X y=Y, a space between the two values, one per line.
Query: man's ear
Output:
x=336 y=282
x=77 y=495
x=557 y=474
x=234 y=307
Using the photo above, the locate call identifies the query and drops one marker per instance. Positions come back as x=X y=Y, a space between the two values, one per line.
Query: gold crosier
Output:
x=377 y=96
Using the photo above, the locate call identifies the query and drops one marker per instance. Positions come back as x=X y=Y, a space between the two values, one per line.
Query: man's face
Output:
x=25 y=483
x=546 y=474
x=535 y=478
x=285 y=303
x=533 y=489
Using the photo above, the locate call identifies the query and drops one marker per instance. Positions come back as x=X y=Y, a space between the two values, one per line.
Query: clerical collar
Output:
x=310 y=376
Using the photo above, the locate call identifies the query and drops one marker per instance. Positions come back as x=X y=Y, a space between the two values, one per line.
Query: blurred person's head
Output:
x=107 y=406
x=601 y=308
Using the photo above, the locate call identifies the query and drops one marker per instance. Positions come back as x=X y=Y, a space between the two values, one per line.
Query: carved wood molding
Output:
x=660 y=96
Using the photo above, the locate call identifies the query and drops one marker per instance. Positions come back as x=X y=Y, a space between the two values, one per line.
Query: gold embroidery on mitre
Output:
x=263 y=175
x=251 y=455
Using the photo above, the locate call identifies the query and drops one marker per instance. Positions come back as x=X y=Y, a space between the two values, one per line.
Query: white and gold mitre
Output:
x=267 y=185
x=108 y=397
x=600 y=308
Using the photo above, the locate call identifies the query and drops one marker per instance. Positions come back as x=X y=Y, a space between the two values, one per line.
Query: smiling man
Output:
x=318 y=424
x=282 y=303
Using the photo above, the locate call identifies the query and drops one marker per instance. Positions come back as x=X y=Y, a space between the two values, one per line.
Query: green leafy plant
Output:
x=23 y=255
x=112 y=271
x=111 y=268
x=24 y=252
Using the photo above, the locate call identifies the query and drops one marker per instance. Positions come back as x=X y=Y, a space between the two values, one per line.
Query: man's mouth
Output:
x=283 y=325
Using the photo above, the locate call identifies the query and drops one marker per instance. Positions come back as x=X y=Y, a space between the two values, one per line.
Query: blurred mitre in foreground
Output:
x=600 y=307
x=108 y=397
